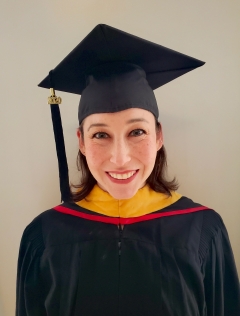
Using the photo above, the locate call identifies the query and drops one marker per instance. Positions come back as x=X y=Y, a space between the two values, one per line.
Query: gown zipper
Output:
x=120 y=228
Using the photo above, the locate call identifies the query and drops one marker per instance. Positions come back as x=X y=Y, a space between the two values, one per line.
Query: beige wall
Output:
x=200 y=112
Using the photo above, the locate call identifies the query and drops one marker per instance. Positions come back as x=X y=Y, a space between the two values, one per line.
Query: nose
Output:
x=120 y=153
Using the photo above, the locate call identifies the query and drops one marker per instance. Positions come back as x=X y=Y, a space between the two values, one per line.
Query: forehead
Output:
x=121 y=117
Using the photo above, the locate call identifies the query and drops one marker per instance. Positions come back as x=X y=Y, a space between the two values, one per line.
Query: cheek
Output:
x=95 y=155
x=146 y=152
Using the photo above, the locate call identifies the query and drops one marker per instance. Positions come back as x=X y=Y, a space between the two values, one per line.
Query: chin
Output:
x=122 y=194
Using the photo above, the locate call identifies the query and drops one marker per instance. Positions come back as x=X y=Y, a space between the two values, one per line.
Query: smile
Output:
x=122 y=176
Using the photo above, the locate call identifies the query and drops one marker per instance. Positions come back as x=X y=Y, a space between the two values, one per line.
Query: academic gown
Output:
x=173 y=260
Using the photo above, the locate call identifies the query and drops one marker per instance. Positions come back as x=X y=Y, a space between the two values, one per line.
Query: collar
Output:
x=145 y=201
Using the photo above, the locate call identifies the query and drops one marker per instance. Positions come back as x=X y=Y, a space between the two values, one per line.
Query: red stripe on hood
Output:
x=126 y=221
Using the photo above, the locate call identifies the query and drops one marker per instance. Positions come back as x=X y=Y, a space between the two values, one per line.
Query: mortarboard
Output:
x=113 y=71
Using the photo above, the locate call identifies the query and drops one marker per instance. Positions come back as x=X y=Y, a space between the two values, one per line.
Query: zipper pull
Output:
x=120 y=239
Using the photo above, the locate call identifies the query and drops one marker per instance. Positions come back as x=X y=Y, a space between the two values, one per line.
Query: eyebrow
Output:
x=128 y=122
x=97 y=125
x=137 y=120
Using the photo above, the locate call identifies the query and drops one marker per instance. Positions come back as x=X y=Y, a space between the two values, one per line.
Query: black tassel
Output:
x=60 y=148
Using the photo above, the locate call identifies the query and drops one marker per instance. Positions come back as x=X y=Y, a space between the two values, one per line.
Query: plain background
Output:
x=200 y=111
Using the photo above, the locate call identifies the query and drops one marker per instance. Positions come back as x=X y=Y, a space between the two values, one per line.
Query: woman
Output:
x=125 y=243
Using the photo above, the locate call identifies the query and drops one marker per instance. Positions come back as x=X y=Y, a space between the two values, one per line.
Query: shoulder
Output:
x=51 y=228
x=209 y=216
x=206 y=217
x=189 y=224
x=209 y=224
x=33 y=234
x=214 y=235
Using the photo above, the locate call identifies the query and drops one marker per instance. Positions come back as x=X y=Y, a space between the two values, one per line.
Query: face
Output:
x=120 y=149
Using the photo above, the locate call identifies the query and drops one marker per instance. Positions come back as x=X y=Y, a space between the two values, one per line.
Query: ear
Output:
x=81 y=142
x=159 y=137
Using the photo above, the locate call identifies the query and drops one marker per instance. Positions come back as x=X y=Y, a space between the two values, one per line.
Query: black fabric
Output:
x=61 y=153
x=104 y=45
x=172 y=266
x=116 y=87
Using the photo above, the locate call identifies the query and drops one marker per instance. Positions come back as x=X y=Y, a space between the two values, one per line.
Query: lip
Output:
x=122 y=181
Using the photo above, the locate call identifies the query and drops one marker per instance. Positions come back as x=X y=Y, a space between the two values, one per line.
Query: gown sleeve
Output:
x=29 y=293
x=222 y=292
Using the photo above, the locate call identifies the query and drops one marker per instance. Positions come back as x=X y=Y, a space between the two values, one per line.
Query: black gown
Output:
x=173 y=262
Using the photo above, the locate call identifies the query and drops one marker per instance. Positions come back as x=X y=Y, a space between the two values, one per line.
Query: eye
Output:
x=100 y=135
x=137 y=132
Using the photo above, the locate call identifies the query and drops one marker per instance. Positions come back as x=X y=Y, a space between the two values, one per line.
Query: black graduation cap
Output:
x=113 y=71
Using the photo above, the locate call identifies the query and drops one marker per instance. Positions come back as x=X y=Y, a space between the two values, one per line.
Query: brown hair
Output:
x=157 y=179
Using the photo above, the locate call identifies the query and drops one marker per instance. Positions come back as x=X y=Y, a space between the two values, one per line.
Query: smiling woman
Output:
x=120 y=148
x=125 y=243
x=156 y=180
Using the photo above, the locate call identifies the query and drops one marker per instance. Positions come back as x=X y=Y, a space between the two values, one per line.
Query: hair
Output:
x=157 y=180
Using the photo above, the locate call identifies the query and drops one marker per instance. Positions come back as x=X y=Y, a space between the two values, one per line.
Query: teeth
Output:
x=122 y=176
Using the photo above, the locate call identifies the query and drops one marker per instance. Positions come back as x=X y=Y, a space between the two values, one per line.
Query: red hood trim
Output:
x=126 y=221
